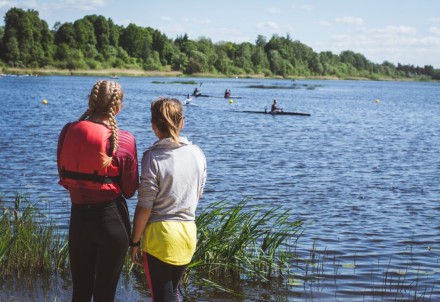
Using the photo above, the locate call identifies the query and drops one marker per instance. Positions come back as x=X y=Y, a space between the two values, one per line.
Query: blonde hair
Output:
x=105 y=100
x=167 y=116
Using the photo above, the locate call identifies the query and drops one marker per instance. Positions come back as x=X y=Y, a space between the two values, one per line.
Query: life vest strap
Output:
x=89 y=177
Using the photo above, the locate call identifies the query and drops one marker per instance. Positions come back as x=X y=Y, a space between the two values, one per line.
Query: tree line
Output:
x=95 y=42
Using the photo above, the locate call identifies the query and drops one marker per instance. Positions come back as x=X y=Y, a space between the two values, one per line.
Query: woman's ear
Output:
x=182 y=123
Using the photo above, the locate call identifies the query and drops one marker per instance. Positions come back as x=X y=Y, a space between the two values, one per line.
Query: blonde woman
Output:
x=97 y=164
x=173 y=176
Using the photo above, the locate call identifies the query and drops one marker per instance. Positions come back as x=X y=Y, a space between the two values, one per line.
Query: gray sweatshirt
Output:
x=172 y=180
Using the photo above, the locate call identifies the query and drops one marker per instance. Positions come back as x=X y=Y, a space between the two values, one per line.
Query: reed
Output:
x=29 y=245
x=242 y=243
x=176 y=82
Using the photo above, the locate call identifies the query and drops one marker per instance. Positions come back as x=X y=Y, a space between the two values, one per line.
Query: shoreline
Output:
x=118 y=72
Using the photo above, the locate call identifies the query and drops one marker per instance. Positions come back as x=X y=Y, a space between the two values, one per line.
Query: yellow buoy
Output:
x=376 y=101
x=44 y=102
x=231 y=101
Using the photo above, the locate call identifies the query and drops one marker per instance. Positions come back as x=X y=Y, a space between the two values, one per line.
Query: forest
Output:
x=95 y=43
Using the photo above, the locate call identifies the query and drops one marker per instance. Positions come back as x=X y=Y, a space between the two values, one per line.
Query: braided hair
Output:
x=167 y=116
x=104 y=101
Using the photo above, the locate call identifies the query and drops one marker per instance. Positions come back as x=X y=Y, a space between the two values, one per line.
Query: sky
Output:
x=397 y=31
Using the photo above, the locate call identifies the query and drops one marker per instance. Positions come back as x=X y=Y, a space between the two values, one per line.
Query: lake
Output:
x=363 y=171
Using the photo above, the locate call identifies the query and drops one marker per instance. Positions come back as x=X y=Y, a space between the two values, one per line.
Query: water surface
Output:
x=363 y=175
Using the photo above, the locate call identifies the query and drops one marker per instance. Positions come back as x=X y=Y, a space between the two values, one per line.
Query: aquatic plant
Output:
x=242 y=243
x=293 y=86
x=29 y=244
x=176 y=82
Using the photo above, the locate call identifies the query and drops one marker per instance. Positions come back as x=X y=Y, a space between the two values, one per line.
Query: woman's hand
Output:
x=136 y=255
x=141 y=216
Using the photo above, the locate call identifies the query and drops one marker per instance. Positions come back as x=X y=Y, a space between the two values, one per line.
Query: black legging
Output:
x=163 y=279
x=98 y=244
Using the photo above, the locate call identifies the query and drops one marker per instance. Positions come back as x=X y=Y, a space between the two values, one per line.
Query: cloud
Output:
x=23 y=4
x=433 y=43
x=197 y=20
x=306 y=8
x=434 y=20
x=434 y=30
x=350 y=20
x=86 y=5
x=393 y=30
x=174 y=29
x=268 y=24
x=40 y=6
x=401 y=36
x=166 y=18
x=6 y=3
x=324 y=23
x=397 y=44
x=273 y=10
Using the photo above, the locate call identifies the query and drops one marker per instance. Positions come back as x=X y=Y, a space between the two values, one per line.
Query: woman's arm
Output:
x=141 y=216
x=128 y=164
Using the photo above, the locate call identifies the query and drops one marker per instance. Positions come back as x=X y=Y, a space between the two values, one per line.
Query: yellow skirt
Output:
x=172 y=242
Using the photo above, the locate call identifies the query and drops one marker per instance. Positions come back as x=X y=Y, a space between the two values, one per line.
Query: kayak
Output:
x=279 y=113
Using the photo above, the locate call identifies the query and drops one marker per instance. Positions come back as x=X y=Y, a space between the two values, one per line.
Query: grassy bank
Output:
x=89 y=72
x=143 y=73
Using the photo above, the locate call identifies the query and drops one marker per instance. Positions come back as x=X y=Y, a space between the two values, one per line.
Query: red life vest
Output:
x=81 y=158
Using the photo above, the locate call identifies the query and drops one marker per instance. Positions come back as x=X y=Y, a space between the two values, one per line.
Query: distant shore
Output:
x=117 y=72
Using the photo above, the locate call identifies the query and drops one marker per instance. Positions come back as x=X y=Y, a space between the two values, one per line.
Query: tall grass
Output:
x=29 y=244
x=241 y=242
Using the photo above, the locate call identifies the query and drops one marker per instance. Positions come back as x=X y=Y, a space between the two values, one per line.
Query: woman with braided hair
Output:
x=97 y=164
x=172 y=180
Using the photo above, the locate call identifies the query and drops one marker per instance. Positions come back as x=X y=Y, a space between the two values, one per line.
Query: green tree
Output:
x=315 y=65
x=115 y=31
x=12 y=52
x=102 y=31
x=85 y=38
x=2 y=32
x=134 y=40
x=197 y=62
x=66 y=35
x=207 y=48
x=179 y=62
x=223 y=63
x=329 y=62
x=276 y=62
x=356 y=60
x=152 y=62
x=243 y=57
x=261 y=41
x=259 y=59
x=163 y=46
x=182 y=43
x=25 y=30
